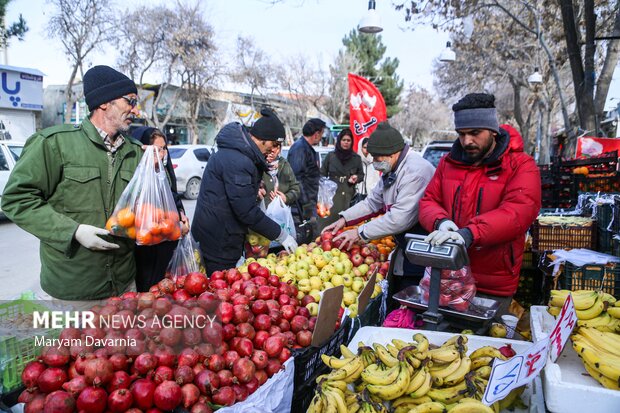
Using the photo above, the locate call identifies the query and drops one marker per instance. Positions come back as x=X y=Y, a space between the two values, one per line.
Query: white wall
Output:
x=19 y=123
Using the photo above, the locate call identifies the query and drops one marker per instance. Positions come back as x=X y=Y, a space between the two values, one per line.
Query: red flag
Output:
x=366 y=108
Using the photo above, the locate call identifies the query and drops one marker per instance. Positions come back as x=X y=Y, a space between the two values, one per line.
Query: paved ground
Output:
x=19 y=260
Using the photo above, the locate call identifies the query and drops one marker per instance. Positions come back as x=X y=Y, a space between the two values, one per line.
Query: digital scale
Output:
x=447 y=256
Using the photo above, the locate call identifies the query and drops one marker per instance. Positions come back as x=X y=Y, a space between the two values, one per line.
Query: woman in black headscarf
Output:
x=344 y=167
x=152 y=260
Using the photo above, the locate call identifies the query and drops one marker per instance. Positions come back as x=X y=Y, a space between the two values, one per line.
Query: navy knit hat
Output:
x=268 y=127
x=103 y=84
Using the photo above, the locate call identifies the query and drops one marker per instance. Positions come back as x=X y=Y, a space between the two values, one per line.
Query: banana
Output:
x=606 y=340
x=604 y=322
x=368 y=355
x=445 y=371
x=471 y=406
x=417 y=380
x=554 y=311
x=429 y=407
x=457 y=340
x=355 y=373
x=604 y=363
x=601 y=378
x=337 y=384
x=334 y=362
x=395 y=389
x=443 y=354
x=424 y=387
x=422 y=342
x=355 y=365
x=481 y=362
x=487 y=351
x=596 y=309
x=483 y=372
x=614 y=312
x=400 y=344
x=459 y=374
x=508 y=401
x=380 y=377
x=406 y=400
x=336 y=399
x=346 y=353
x=449 y=394
x=580 y=301
x=392 y=349
x=384 y=355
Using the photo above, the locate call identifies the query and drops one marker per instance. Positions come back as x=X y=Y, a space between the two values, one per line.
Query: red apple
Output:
x=262 y=272
x=326 y=245
x=253 y=267
x=357 y=260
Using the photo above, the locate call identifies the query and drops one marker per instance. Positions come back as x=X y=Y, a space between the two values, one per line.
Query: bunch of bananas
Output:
x=600 y=353
x=409 y=377
x=595 y=309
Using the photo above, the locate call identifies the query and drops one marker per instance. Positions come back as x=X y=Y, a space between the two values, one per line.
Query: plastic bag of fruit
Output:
x=457 y=288
x=146 y=210
x=184 y=260
x=280 y=213
x=327 y=190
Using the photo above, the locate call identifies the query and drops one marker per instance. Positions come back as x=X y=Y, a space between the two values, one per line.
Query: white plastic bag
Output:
x=184 y=260
x=325 y=201
x=281 y=214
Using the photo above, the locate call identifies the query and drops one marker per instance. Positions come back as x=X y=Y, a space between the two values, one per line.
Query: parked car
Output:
x=10 y=152
x=322 y=150
x=435 y=150
x=189 y=162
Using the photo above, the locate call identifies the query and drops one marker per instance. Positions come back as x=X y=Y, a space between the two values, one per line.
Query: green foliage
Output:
x=370 y=50
x=17 y=29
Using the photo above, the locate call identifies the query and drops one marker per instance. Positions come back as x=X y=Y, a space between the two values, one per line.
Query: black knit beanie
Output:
x=268 y=127
x=103 y=84
x=385 y=140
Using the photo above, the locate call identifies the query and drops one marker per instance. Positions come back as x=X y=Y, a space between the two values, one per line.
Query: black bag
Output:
x=304 y=233
x=358 y=197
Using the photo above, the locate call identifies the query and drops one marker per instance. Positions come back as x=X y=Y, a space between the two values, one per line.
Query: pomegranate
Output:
x=201 y=408
x=31 y=373
x=27 y=395
x=225 y=312
x=284 y=325
x=216 y=285
x=189 y=394
x=142 y=391
x=207 y=301
x=120 y=400
x=184 y=375
x=218 y=275
x=241 y=392
x=72 y=372
x=166 y=286
x=244 y=370
x=167 y=395
x=207 y=381
x=230 y=357
x=204 y=350
x=507 y=351
x=120 y=380
x=252 y=385
x=304 y=338
x=262 y=322
x=170 y=336
x=36 y=405
x=75 y=386
x=226 y=378
x=288 y=312
x=145 y=363
x=240 y=299
x=299 y=323
x=181 y=296
x=233 y=275
x=241 y=314
x=250 y=290
x=61 y=402
x=224 y=396
x=119 y=362
x=216 y=362
x=273 y=346
x=162 y=306
x=55 y=356
x=165 y=356
x=253 y=268
x=303 y=311
x=285 y=355
x=228 y=331
x=92 y=399
x=213 y=334
x=284 y=299
x=260 y=358
x=152 y=327
x=261 y=376
x=273 y=366
x=196 y=283
x=244 y=347
x=264 y=293
x=80 y=361
x=259 y=307
x=246 y=330
x=51 y=379
x=163 y=373
x=188 y=357
x=191 y=337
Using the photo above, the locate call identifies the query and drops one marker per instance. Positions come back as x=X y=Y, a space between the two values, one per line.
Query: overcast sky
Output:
x=312 y=28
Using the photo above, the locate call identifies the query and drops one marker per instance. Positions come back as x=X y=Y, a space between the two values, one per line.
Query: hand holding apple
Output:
x=347 y=238
x=335 y=227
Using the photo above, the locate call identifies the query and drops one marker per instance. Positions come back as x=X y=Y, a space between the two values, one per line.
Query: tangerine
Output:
x=167 y=226
x=112 y=225
x=144 y=237
x=131 y=232
x=126 y=217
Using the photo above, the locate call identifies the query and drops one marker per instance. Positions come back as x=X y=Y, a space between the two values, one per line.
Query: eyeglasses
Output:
x=133 y=102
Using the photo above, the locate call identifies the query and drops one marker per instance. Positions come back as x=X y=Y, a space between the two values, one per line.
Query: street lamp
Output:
x=535 y=78
x=447 y=55
x=371 y=23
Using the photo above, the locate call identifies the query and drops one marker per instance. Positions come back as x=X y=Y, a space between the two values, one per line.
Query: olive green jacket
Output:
x=287 y=183
x=66 y=177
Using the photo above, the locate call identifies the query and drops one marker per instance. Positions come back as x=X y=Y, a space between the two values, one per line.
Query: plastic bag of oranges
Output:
x=327 y=190
x=146 y=210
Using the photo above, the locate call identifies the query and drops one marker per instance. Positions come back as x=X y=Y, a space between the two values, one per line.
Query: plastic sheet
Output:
x=458 y=288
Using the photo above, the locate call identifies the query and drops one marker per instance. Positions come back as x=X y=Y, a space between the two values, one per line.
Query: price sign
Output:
x=563 y=328
x=515 y=372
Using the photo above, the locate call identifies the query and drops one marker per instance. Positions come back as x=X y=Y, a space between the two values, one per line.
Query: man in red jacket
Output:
x=485 y=193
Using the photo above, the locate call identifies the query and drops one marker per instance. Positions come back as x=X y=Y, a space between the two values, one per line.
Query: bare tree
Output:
x=82 y=26
x=251 y=67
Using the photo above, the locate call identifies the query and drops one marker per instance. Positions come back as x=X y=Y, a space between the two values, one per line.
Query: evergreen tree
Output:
x=17 y=29
x=370 y=51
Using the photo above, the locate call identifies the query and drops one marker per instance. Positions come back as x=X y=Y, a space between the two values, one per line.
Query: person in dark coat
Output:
x=344 y=167
x=227 y=202
x=305 y=163
x=152 y=260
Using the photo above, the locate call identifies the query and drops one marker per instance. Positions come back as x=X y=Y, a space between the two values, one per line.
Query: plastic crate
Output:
x=604 y=162
x=17 y=351
x=592 y=277
x=597 y=184
x=302 y=396
x=553 y=237
x=533 y=288
x=308 y=361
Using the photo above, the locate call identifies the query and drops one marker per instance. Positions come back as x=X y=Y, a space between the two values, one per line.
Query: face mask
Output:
x=383 y=166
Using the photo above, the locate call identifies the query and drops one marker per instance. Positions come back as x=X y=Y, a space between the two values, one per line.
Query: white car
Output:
x=435 y=150
x=10 y=152
x=189 y=162
x=321 y=150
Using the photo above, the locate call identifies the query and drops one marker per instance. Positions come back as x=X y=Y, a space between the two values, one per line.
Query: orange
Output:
x=156 y=239
x=167 y=226
x=173 y=215
x=125 y=217
x=111 y=223
x=131 y=232
x=155 y=229
x=144 y=237
x=176 y=233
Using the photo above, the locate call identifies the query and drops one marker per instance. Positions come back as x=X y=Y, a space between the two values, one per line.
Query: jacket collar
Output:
x=502 y=141
x=93 y=134
x=390 y=178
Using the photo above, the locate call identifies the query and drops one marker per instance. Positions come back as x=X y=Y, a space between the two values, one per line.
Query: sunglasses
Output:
x=133 y=102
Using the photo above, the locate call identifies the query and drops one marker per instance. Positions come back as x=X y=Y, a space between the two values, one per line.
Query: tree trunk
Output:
x=69 y=94
x=516 y=103
x=611 y=61
x=587 y=100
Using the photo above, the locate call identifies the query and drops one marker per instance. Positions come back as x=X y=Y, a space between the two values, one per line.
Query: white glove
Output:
x=447 y=225
x=288 y=242
x=439 y=237
x=88 y=236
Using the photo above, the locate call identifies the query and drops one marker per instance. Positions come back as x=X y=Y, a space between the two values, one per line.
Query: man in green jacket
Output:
x=66 y=185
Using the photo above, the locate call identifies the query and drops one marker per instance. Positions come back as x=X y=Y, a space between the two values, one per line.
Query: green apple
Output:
x=337 y=280
x=339 y=268
x=300 y=295
x=359 y=279
x=281 y=270
x=313 y=308
x=316 y=294
x=347 y=280
x=303 y=265
x=335 y=252
x=363 y=268
x=262 y=261
x=253 y=239
x=300 y=251
x=287 y=278
x=313 y=270
x=327 y=285
x=325 y=276
x=304 y=285
x=348 y=265
x=250 y=260
x=328 y=255
x=316 y=283
x=349 y=298
x=317 y=251
x=302 y=274
x=330 y=269
x=357 y=286
x=243 y=268
x=320 y=262
x=353 y=310
x=272 y=257
x=377 y=291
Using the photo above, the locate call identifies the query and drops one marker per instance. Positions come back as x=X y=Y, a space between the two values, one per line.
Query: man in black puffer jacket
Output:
x=227 y=203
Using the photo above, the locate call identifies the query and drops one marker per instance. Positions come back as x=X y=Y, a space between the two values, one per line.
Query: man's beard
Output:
x=480 y=154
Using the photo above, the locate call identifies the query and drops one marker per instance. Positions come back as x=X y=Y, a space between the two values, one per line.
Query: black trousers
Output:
x=151 y=263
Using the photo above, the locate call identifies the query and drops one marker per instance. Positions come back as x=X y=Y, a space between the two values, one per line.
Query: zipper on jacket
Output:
x=455 y=202
x=479 y=201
